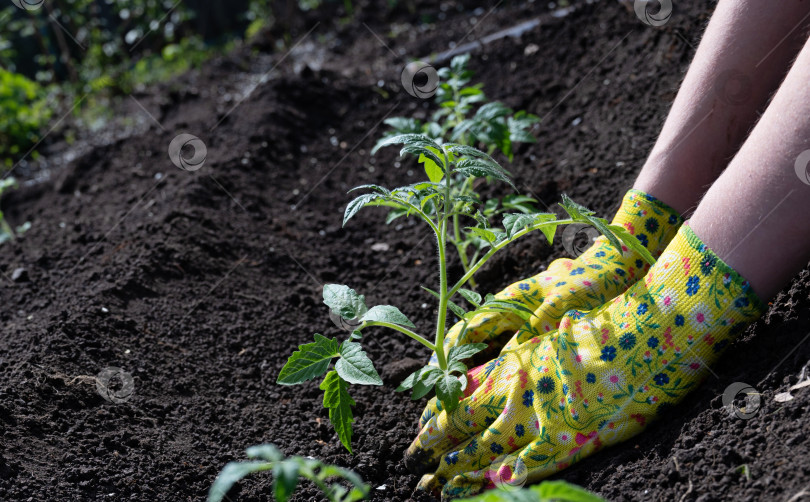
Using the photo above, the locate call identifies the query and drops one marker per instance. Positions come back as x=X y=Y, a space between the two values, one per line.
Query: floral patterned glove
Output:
x=600 y=379
x=584 y=283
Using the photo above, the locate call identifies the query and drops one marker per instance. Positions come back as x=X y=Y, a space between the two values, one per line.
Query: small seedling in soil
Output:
x=6 y=232
x=436 y=205
x=286 y=474
x=547 y=491
x=492 y=125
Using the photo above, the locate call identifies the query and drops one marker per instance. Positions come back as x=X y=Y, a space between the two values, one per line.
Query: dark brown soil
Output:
x=201 y=283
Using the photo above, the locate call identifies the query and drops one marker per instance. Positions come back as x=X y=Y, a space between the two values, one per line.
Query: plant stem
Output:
x=497 y=247
x=401 y=329
x=442 y=240
x=5 y=227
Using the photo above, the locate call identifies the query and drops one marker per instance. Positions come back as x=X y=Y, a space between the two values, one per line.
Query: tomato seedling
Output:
x=492 y=125
x=436 y=205
x=286 y=474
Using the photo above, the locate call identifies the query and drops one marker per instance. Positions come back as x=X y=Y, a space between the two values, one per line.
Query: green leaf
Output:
x=520 y=203
x=354 y=366
x=395 y=213
x=459 y=63
x=404 y=125
x=632 y=242
x=344 y=301
x=359 y=491
x=357 y=204
x=285 y=476
x=433 y=171
x=547 y=491
x=461 y=352
x=456 y=366
x=311 y=360
x=421 y=381
x=470 y=296
x=467 y=198
x=460 y=312
x=515 y=222
x=423 y=152
x=336 y=398
x=471 y=91
x=492 y=304
x=231 y=474
x=376 y=188
x=467 y=151
x=387 y=313
x=408 y=139
x=492 y=111
x=488 y=235
x=564 y=492
x=481 y=168
x=449 y=389
x=434 y=293
x=266 y=452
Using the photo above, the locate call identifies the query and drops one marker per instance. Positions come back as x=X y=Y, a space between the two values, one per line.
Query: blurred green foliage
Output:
x=23 y=113
x=92 y=51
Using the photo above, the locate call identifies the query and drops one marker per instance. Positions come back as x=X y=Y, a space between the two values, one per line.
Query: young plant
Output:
x=436 y=205
x=286 y=474
x=6 y=232
x=547 y=491
x=492 y=125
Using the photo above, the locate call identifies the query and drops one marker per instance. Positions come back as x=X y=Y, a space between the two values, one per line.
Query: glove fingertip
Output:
x=420 y=461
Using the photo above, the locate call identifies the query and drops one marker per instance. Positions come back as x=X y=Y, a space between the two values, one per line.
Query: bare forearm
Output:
x=744 y=54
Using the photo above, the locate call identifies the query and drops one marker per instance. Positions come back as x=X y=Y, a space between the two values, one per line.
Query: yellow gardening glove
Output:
x=595 y=277
x=600 y=379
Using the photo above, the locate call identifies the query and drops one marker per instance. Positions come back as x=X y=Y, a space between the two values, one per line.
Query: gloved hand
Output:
x=595 y=277
x=600 y=379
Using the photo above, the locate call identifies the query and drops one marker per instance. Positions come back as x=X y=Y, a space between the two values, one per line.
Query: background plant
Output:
x=8 y=233
x=466 y=117
x=436 y=204
x=286 y=475
x=24 y=111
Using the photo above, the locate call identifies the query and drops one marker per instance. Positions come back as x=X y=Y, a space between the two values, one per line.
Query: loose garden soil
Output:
x=200 y=284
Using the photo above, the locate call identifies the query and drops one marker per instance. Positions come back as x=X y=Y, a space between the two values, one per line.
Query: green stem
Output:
x=5 y=227
x=497 y=247
x=442 y=241
x=461 y=248
x=399 y=328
